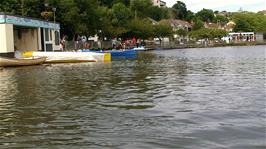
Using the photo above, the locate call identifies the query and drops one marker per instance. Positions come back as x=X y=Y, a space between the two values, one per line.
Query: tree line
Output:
x=128 y=18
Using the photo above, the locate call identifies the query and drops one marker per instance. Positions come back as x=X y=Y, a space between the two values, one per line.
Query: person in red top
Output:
x=134 y=41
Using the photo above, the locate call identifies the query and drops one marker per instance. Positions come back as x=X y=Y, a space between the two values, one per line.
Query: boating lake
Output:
x=184 y=98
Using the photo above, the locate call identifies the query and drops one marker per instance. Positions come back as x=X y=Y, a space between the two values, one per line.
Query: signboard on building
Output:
x=22 y=21
x=2 y=18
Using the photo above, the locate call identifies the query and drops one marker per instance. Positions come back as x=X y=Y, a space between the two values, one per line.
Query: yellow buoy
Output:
x=27 y=54
x=107 y=57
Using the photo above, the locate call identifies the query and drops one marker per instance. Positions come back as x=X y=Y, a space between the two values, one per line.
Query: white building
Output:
x=27 y=34
x=158 y=3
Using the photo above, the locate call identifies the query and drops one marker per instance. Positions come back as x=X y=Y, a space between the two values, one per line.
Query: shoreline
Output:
x=204 y=46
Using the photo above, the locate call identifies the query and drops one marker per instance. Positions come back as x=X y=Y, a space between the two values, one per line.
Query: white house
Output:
x=27 y=34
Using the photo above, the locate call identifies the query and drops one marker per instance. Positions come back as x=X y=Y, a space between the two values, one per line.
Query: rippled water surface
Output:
x=186 y=98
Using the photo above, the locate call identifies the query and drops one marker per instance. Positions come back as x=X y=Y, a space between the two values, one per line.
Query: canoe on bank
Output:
x=70 y=57
x=9 y=62
x=117 y=53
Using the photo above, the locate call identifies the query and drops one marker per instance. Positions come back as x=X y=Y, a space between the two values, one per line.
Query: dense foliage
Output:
x=126 y=18
x=249 y=21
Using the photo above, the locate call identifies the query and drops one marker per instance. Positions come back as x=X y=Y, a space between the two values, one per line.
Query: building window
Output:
x=51 y=35
x=57 y=38
x=46 y=32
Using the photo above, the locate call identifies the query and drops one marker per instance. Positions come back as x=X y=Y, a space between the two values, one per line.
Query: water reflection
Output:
x=191 y=98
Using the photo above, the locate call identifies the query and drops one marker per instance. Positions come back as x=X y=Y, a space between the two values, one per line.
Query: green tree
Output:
x=121 y=13
x=10 y=6
x=157 y=13
x=180 y=10
x=162 y=30
x=242 y=26
x=182 y=32
x=140 y=28
x=110 y=3
x=198 y=24
x=140 y=7
x=107 y=3
x=190 y=16
x=125 y=2
x=205 y=15
x=256 y=21
x=221 y=19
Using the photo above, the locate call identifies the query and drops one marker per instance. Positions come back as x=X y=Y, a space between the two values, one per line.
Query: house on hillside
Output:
x=230 y=26
x=177 y=25
x=224 y=26
x=152 y=21
x=262 y=12
x=162 y=3
x=213 y=25
x=27 y=34
x=158 y=3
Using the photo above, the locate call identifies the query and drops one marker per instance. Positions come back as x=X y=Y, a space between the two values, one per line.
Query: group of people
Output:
x=128 y=43
x=81 y=42
x=78 y=41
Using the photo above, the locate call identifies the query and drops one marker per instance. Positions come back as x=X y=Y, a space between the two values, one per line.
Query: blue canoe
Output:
x=118 y=53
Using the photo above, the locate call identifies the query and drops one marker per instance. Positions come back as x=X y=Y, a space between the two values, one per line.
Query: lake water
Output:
x=184 y=98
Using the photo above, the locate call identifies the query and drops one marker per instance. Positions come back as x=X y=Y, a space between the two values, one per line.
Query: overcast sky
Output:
x=228 y=5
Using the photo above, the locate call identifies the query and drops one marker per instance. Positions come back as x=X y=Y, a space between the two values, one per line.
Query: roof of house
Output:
x=152 y=21
x=175 y=22
x=211 y=25
x=27 y=21
x=263 y=12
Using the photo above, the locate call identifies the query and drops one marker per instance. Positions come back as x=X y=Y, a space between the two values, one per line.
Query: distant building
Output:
x=230 y=26
x=159 y=3
x=152 y=21
x=262 y=12
x=227 y=27
x=162 y=3
x=156 y=2
x=222 y=13
x=259 y=37
x=177 y=24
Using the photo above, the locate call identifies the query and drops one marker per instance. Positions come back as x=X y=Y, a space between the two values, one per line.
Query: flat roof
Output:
x=27 y=21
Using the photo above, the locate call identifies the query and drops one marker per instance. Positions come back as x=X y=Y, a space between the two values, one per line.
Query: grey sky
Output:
x=228 y=5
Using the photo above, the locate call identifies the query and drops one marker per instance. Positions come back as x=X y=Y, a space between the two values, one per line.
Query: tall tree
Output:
x=140 y=28
x=256 y=21
x=205 y=15
x=162 y=30
x=140 y=7
x=157 y=13
x=180 y=10
x=190 y=16
x=242 y=26
x=221 y=19
x=197 y=24
x=10 y=6
x=121 y=13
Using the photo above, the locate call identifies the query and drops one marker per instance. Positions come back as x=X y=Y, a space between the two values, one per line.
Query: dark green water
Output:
x=187 y=98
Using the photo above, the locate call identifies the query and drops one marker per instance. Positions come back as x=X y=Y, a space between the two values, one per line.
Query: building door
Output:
x=48 y=39
x=42 y=39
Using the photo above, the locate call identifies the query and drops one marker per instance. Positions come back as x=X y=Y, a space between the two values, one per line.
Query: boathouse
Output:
x=27 y=34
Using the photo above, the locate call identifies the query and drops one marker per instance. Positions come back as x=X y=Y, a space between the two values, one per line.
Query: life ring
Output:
x=83 y=38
